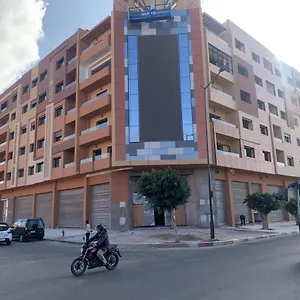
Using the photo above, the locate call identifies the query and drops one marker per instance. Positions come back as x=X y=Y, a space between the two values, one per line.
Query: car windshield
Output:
x=3 y=227
x=20 y=223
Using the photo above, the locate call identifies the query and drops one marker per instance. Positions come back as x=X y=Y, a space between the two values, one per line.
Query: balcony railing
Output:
x=3 y=126
x=95 y=128
x=280 y=164
x=2 y=163
x=105 y=155
x=72 y=60
x=221 y=93
x=70 y=84
x=69 y=137
x=2 y=144
x=2 y=181
x=223 y=122
x=86 y=160
x=278 y=140
x=228 y=153
x=94 y=99
x=69 y=165
x=71 y=111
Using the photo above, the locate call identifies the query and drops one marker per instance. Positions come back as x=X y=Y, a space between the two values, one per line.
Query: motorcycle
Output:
x=89 y=259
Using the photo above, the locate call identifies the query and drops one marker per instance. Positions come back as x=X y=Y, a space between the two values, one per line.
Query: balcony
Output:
x=225 y=128
x=228 y=153
x=2 y=145
x=226 y=77
x=69 y=169
x=2 y=185
x=3 y=128
x=280 y=164
x=222 y=101
x=278 y=140
x=2 y=166
x=70 y=85
x=71 y=111
x=72 y=60
x=96 y=134
x=99 y=162
x=69 y=137
x=71 y=65
x=98 y=105
x=71 y=115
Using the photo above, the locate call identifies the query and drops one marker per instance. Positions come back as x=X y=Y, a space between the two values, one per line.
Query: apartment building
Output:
x=77 y=131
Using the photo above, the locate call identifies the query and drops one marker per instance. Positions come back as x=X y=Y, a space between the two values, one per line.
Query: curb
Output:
x=202 y=244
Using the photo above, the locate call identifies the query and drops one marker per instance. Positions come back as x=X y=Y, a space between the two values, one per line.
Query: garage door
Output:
x=240 y=192
x=70 y=208
x=23 y=207
x=278 y=215
x=100 y=205
x=44 y=208
x=220 y=200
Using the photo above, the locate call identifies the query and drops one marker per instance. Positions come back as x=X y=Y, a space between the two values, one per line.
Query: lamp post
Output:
x=211 y=211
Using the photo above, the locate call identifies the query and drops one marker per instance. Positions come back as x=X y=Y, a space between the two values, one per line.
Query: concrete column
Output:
x=54 y=205
x=13 y=209
x=34 y=205
x=86 y=201
x=229 y=200
x=252 y=219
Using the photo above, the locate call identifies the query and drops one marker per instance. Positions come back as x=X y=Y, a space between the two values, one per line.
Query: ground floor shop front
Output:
x=112 y=199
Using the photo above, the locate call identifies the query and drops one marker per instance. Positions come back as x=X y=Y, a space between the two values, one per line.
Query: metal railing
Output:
x=69 y=165
x=94 y=128
x=69 y=137
x=228 y=153
x=95 y=98
x=71 y=110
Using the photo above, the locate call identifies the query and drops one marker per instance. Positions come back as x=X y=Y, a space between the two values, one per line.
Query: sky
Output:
x=30 y=29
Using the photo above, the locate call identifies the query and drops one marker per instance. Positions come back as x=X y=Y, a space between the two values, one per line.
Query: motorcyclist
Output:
x=102 y=242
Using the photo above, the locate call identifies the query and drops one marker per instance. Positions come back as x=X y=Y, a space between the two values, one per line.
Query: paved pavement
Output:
x=190 y=237
x=268 y=270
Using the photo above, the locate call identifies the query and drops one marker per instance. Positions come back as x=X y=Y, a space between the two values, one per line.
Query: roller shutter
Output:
x=70 y=208
x=44 y=208
x=278 y=215
x=23 y=208
x=240 y=192
x=220 y=202
x=100 y=205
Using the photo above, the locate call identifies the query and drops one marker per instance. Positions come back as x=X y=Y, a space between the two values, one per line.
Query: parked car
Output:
x=5 y=233
x=28 y=229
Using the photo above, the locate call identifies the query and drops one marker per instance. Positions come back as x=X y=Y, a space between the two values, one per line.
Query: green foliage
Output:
x=264 y=203
x=291 y=206
x=165 y=190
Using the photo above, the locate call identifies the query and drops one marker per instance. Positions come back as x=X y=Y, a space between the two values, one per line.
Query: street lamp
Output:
x=212 y=224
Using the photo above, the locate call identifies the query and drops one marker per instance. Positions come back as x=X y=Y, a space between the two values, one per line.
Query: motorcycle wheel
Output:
x=78 y=266
x=113 y=261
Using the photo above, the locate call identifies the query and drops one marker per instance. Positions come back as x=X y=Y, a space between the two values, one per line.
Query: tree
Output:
x=165 y=190
x=291 y=207
x=264 y=203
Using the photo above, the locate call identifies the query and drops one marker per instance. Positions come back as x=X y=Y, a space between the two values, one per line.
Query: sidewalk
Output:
x=189 y=237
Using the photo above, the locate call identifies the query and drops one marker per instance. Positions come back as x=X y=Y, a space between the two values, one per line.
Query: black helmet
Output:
x=100 y=227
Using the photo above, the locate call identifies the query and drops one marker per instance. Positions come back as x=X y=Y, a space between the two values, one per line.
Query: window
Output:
x=239 y=45
x=258 y=80
x=31 y=147
x=223 y=147
x=102 y=123
x=57 y=136
x=4 y=106
x=56 y=162
x=39 y=167
x=220 y=58
x=23 y=129
x=10 y=155
x=101 y=67
x=212 y=116
x=60 y=63
x=298 y=142
x=273 y=109
x=245 y=96
x=97 y=152
x=13 y=116
x=58 y=111
x=24 y=109
x=247 y=124
x=103 y=93
x=249 y=151
x=287 y=138
x=280 y=93
x=267 y=155
x=283 y=115
x=261 y=105
x=12 y=135
x=278 y=73
x=33 y=104
x=30 y=170
x=264 y=130
x=8 y=176
x=25 y=89
x=42 y=97
x=34 y=82
x=42 y=120
x=294 y=100
x=109 y=150
x=255 y=57
x=268 y=65
x=14 y=98
x=22 y=150
x=290 y=161
x=270 y=88
x=59 y=87
x=21 y=173
x=32 y=126
x=290 y=81
x=43 y=75
x=296 y=122
x=242 y=70
x=41 y=143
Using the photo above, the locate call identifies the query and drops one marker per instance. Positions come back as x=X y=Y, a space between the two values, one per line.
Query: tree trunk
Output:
x=297 y=219
x=174 y=226
x=264 y=222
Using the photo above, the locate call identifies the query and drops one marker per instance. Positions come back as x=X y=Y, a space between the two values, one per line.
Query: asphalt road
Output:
x=265 y=270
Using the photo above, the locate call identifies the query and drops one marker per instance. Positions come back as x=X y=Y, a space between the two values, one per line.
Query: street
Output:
x=265 y=270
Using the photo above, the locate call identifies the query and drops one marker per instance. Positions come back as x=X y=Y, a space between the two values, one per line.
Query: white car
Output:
x=5 y=233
